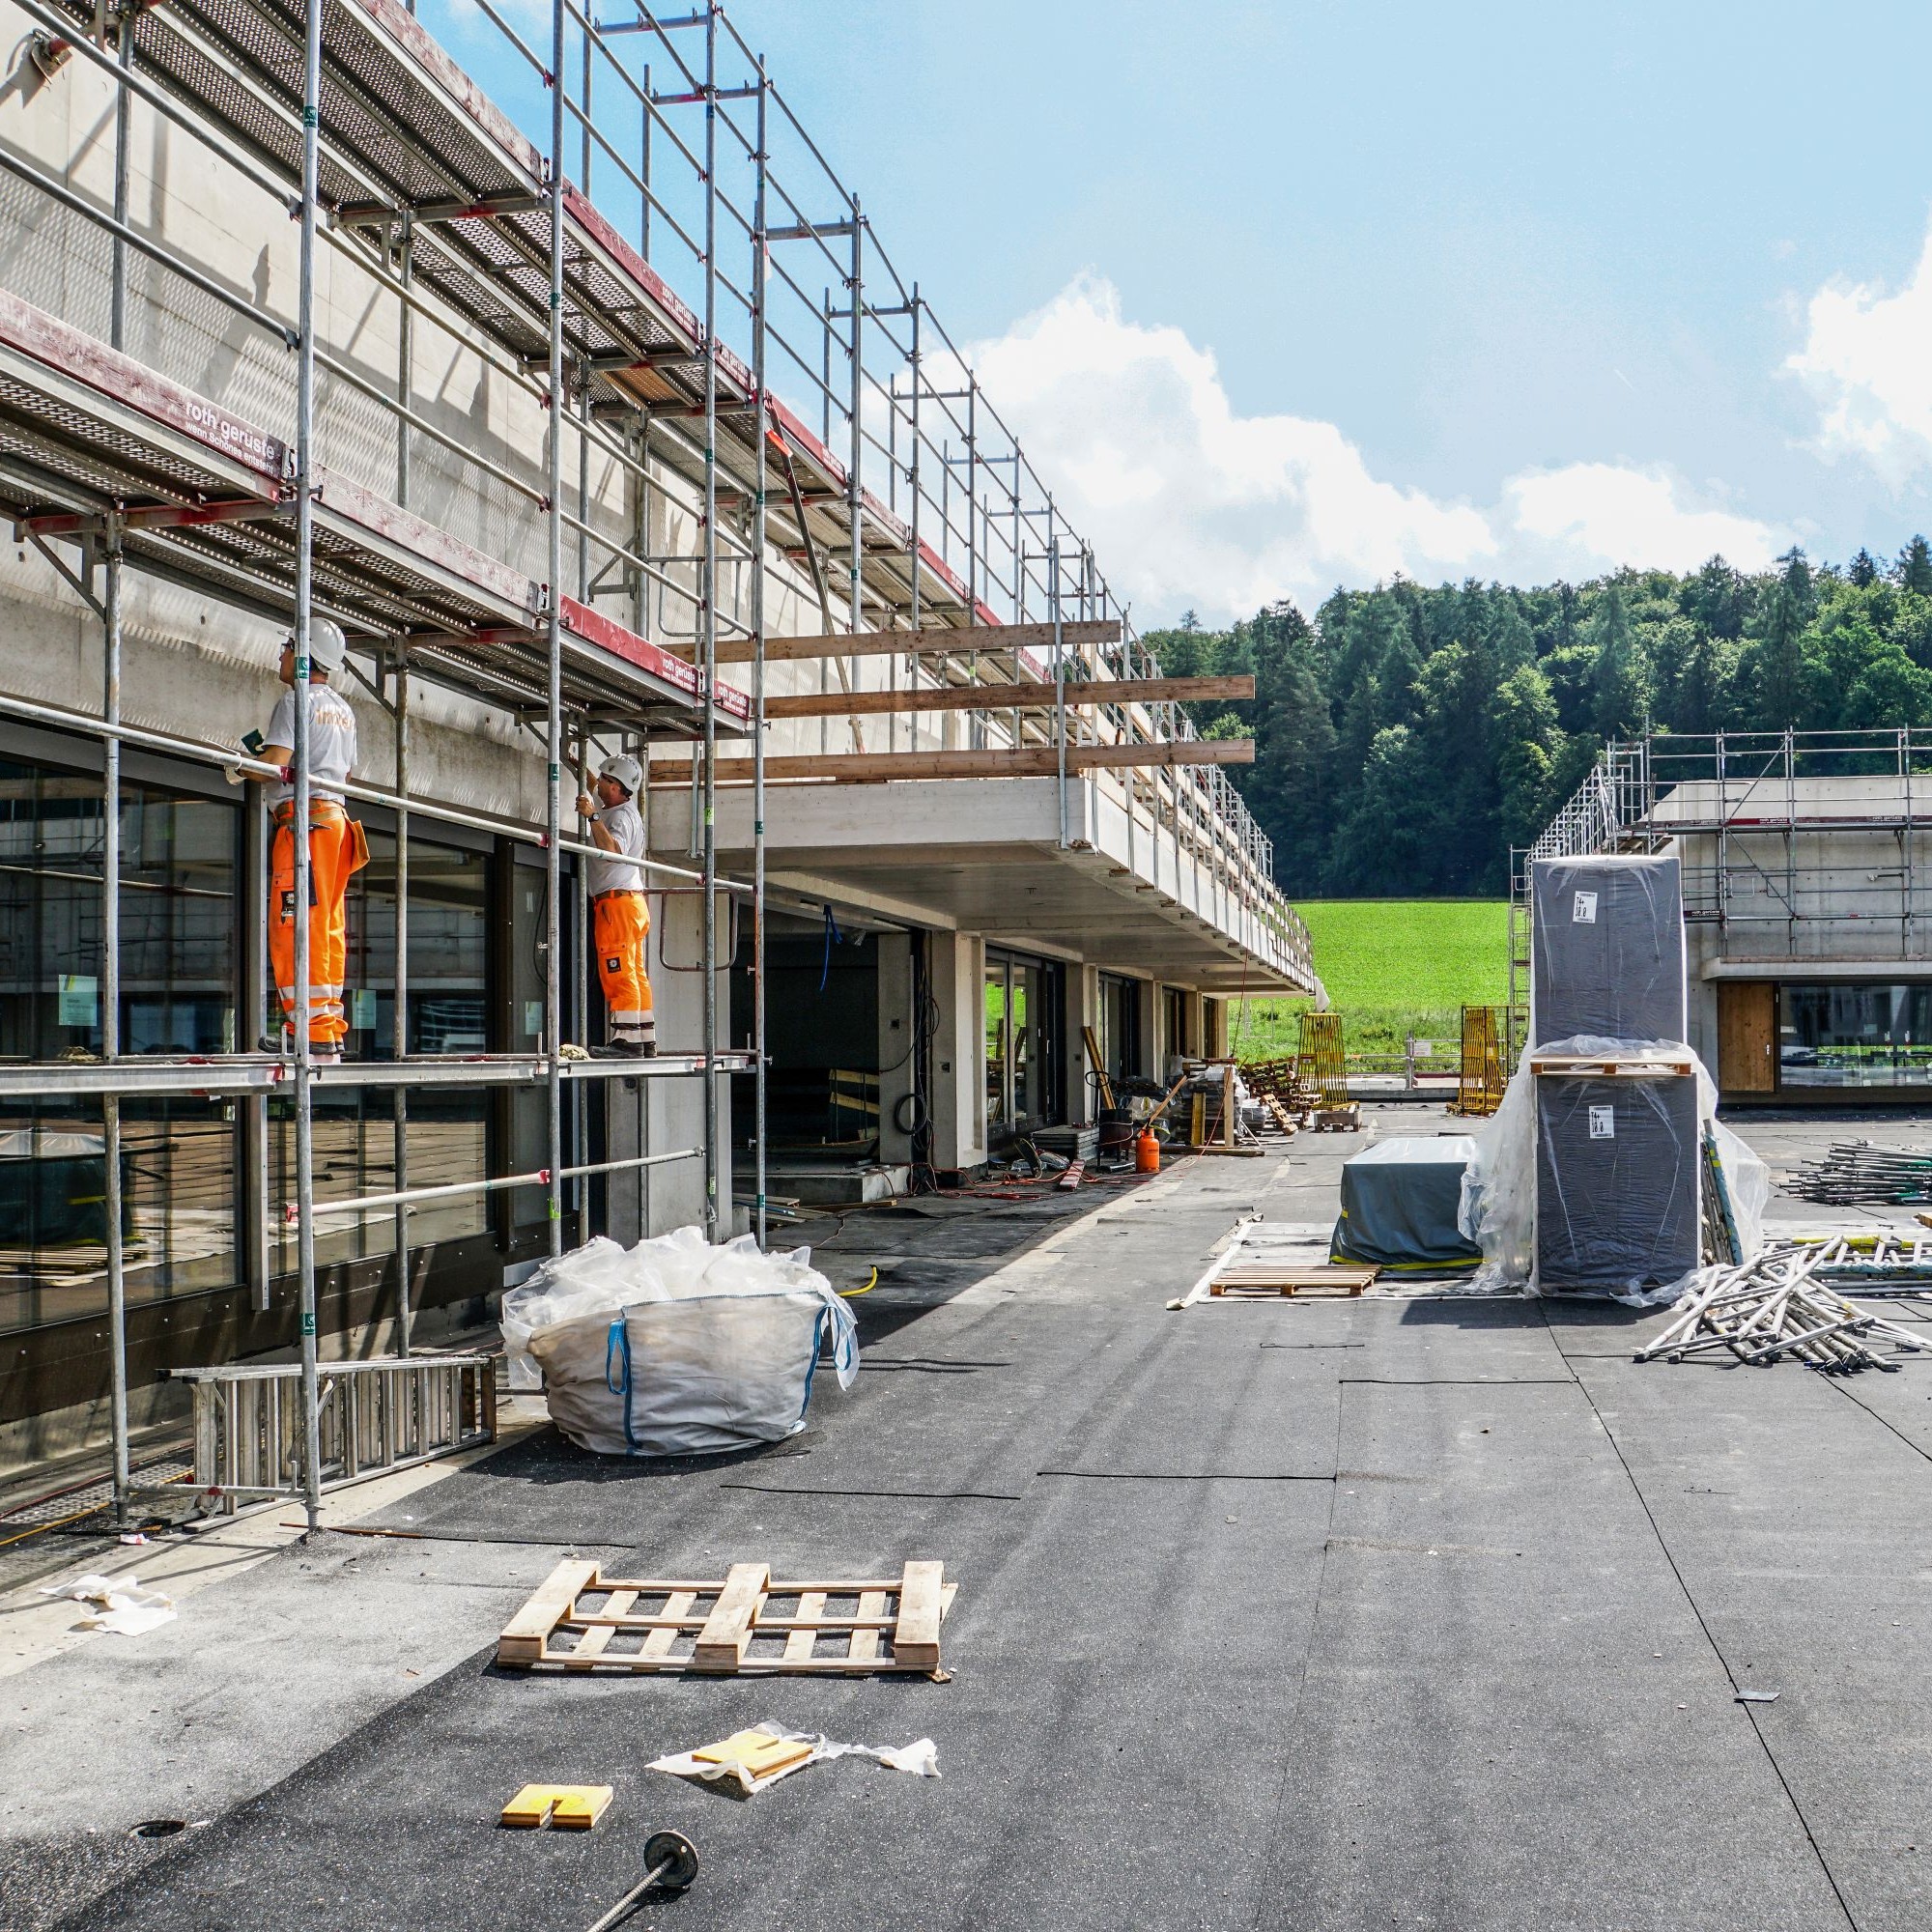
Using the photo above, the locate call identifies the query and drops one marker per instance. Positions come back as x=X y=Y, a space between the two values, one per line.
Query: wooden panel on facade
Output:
x=1746 y=1037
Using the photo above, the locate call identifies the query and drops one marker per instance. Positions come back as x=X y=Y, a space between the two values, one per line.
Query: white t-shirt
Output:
x=331 y=741
x=610 y=872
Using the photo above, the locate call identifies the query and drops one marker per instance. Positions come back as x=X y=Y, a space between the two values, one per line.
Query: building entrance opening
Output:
x=1024 y=1018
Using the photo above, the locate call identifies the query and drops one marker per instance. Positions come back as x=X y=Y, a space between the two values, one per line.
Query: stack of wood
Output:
x=1856 y=1174
x=1772 y=1306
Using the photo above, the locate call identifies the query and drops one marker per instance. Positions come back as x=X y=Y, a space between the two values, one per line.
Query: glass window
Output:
x=998 y=1119
x=1863 y=1035
x=449 y=1013
x=180 y=949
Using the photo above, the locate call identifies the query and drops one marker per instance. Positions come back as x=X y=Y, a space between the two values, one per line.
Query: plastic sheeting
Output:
x=1400 y=1204
x=1606 y=949
x=674 y=1347
x=1499 y=1208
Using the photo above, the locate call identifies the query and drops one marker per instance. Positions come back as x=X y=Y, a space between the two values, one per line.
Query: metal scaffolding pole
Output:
x=399 y=1036
x=299 y=832
x=554 y=641
x=761 y=247
x=708 y=620
x=110 y=848
x=110 y=1012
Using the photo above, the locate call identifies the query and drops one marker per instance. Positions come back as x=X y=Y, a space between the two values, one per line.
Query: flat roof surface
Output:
x=1386 y=1612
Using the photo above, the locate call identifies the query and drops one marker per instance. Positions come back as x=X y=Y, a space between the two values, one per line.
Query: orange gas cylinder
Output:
x=1147 y=1152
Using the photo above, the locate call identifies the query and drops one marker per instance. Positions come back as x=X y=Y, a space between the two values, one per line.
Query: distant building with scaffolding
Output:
x=495 y=380
x=1808 y=900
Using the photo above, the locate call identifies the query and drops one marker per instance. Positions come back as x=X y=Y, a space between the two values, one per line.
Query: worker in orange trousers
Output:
x=621 y=917
x=337 y=849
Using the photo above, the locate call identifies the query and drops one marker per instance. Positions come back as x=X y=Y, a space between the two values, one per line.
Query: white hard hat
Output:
x=625 y=769
x=327 y=648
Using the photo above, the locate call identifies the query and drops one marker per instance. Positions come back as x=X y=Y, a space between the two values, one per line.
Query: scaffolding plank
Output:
x=1035 y=761
x=1007 y=696
x=889 y=643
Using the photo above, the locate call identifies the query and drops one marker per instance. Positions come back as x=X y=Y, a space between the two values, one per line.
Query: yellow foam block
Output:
x=570 y=1807
x=759 y=1751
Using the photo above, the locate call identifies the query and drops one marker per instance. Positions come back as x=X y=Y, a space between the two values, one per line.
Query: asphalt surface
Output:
x=1271 y=1614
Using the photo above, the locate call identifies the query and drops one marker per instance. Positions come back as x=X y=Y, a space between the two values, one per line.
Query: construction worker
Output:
x=620 y=918
x=336 y=847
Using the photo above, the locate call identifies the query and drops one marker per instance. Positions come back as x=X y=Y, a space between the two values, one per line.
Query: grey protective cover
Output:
x=1606 y=954
x=1616 y=1184
x=1399 y=1204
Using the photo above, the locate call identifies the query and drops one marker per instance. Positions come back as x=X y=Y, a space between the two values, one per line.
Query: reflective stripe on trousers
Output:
x=620 y=931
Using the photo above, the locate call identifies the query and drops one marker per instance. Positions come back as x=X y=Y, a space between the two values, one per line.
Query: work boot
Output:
x=622 y=1049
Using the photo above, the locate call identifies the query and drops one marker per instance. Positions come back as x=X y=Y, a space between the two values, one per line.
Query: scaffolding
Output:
x=525 y=234
x=1792 y=843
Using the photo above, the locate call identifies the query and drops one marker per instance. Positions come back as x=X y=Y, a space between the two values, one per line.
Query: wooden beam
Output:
x=889 y=643
x=1039 y=761
x=1007 y=696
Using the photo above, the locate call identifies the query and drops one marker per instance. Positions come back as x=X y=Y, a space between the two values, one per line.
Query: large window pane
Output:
x=180 y=949
x=449 y=1013
x=1856 y=1036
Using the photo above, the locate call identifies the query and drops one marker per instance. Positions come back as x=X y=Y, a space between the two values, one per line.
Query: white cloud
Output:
x=1188 y=502
x=1598 y=513
x=1865 y=358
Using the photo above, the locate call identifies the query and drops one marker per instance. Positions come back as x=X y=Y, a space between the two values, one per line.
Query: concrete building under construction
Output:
x=600 y=418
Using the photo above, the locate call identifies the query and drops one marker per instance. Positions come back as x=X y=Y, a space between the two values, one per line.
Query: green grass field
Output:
x=1392 y=967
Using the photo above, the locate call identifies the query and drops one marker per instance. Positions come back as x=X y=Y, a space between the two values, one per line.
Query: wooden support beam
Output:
x=1007 y=696
x=1039 y=761
x=890 y=643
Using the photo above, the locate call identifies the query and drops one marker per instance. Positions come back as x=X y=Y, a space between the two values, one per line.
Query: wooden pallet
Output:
x=1257 y=1277
x=1282 y=1118
x=583 y=1620
x=1345 y=1119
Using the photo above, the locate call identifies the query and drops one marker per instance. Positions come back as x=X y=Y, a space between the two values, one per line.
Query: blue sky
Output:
x=1292 y=294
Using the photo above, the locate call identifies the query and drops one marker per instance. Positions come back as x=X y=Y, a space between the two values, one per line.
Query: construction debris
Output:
x=1858 y=1174
x=119 y=1603
x=748 y=1761
x=1773 y=1306
x=568 y=1807
x=581 y=1620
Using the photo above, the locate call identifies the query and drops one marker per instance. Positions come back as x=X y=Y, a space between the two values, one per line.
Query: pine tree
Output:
x=1914 y=569
x=1862 y=573
x=1621 y=681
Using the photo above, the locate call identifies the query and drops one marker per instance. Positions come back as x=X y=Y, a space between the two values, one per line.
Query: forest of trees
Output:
x=1407 y=737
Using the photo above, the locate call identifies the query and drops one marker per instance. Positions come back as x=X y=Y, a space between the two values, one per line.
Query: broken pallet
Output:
x=1255 y=1277
x=583 y=1620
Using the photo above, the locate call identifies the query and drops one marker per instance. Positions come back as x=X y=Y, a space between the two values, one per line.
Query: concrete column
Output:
x=1083 y=1010
x=896 y=1041
x=663 y=1116
x=959 y=1050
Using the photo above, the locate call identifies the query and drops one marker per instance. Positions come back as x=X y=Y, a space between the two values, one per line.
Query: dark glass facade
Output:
x=1855 y=1035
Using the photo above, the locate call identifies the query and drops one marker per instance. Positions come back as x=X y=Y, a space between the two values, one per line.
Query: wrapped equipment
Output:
x=1501 y=1208
x=1399 y=1203
x=1606 y=949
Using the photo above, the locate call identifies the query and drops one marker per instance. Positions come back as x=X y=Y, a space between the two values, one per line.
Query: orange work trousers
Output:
x=621 y=927
x=337 y=851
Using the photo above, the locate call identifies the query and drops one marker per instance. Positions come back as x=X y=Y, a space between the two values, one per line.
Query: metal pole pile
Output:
x=1770 y=1307
x=1856 y=1174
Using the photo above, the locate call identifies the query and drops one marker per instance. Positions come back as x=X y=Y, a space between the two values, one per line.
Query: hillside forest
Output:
x=1406 y=737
